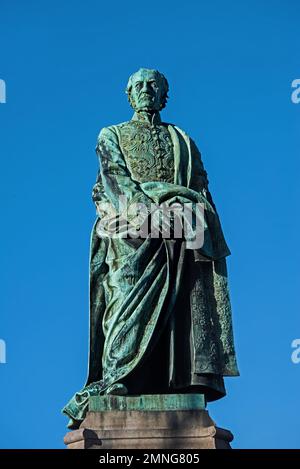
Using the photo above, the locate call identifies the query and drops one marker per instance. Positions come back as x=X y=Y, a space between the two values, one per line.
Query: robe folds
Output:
x=160 y=313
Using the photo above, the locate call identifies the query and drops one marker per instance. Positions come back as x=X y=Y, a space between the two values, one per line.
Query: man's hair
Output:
x=161 y=78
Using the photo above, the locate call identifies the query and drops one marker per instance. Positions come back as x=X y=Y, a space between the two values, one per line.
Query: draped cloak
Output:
x=160 y=313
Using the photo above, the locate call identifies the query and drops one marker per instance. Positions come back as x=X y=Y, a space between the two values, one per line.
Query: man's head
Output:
x=147 y=90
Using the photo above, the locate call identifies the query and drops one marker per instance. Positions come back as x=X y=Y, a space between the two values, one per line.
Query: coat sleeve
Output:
x=199 y=179
x=115 y=176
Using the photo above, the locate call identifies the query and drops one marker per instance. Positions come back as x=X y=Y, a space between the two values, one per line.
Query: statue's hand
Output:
x=168 y=221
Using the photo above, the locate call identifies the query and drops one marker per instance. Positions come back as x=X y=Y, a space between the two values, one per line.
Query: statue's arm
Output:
x=114 y=174
x=98 y=189
x=199 y=180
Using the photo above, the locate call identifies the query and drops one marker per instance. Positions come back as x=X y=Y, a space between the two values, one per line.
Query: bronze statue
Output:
x=160 y=314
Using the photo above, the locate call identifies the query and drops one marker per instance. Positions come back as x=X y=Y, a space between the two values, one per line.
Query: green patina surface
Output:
x=160 y=312
x=147 y=402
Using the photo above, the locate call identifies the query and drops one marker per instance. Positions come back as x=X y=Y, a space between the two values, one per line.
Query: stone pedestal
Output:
x=170 y=421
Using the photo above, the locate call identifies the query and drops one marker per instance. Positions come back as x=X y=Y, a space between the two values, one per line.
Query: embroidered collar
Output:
x=143 y=116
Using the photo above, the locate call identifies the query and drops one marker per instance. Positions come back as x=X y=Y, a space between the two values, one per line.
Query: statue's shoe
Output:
x=117 y=389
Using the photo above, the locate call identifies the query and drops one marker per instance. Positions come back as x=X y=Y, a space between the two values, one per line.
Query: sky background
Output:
x=230 y=65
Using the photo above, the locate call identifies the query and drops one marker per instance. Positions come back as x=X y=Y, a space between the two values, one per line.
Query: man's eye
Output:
x=154 y=85
x=138 y=86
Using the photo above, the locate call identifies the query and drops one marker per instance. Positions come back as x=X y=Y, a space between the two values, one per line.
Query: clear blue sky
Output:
x=230 y=65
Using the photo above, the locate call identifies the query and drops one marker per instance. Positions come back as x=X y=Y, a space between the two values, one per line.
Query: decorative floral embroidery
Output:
x=148 y=151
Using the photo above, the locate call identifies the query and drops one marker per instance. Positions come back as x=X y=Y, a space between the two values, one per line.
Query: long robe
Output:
x=160 y=314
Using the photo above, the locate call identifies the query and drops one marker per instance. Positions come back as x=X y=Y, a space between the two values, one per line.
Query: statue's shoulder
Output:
x=112 y=131
x=179 y=130
x=186 y=137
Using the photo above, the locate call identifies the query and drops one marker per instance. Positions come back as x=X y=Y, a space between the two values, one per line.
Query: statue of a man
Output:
x=160 y=315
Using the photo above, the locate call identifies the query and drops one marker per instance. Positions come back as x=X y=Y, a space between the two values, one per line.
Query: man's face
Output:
x=146 y=92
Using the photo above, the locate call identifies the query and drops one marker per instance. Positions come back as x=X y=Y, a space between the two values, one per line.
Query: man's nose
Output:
x=145 y=87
